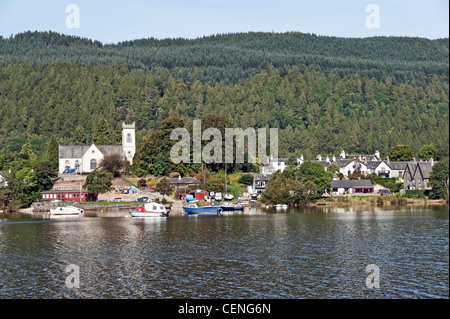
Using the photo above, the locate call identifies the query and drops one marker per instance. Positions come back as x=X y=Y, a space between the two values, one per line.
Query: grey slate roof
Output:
x=351 y=183
x=425 y=168
x=262 y=177
x=374 y=164
x=72 y=151
x=77 y=151
x=398 y=165
x=4 y=173
x=184 y=180
x=343 y=162
x=110 y=149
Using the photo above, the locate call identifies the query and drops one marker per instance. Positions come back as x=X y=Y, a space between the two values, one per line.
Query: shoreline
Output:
x=383 y=202
x=352 y=202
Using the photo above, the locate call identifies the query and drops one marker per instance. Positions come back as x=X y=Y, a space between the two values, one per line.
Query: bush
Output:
x=246 y=179
x=415 y=193
x=142 y=182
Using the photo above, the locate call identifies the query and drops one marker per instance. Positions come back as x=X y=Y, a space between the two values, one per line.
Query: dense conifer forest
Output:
x=323 y=93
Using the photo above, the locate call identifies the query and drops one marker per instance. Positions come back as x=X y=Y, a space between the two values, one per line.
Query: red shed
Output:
x=67 y=195
x=199 y=194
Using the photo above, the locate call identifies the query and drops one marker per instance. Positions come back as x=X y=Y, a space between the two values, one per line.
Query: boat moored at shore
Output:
x=150 y=210
x=193 y=209
x=66 y=210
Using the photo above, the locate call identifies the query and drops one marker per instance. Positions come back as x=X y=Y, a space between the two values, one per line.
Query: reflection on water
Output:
x=258 y=253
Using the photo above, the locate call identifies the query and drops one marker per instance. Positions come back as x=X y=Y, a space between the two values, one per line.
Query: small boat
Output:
x=66 y=210
x=228 y=197
x=193 y=209
x=150 y=210
x=229 y=207
x=281 y=206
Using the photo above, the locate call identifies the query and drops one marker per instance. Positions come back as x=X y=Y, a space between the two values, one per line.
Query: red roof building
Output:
x=67 y=195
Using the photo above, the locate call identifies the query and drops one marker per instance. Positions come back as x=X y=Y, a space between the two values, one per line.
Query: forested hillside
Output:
x=315 y=112
x=323 y=93
x=229 y=58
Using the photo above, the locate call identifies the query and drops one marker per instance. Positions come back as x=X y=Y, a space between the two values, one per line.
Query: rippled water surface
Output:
x=299 y=253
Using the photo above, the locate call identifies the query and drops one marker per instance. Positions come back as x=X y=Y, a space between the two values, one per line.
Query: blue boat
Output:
x=193 y=209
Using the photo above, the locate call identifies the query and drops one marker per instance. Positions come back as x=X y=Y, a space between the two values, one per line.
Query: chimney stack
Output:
x=377 y=154
x=342 y=154
x=319 y=157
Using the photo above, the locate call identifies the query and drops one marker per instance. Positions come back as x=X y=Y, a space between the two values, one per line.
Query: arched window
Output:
x=129 y=138
x=93 y=164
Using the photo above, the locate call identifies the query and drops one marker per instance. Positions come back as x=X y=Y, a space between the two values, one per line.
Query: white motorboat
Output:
x=66 y=210
x=281 y=206
x=150 y=210
x=228 y=197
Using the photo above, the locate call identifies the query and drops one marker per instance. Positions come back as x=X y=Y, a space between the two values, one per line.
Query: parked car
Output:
x=385 y=191
x=142 y=199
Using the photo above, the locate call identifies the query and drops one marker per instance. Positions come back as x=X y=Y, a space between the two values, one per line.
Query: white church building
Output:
x=86 y=158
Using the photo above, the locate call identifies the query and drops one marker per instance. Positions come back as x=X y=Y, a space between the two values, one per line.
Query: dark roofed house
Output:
x=417 y=175
x=352 y=186
x=182 y=182
x=260 y=182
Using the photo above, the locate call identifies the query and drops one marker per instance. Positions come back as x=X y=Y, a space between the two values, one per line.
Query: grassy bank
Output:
x=376 y=200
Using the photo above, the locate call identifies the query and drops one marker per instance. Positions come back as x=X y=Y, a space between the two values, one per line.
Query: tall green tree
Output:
x=315 y=172
x=439 y=179
x=53 y=152
x=163 y=187
x=98 y=182
x=428 y=151
x=102 y=133
x=401 y=153
x=26 y=152
x=80 y=136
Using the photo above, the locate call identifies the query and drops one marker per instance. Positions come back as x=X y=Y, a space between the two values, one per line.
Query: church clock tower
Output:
x=129 y=141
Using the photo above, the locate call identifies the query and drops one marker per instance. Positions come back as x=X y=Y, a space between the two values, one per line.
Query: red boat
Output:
x=150 y=210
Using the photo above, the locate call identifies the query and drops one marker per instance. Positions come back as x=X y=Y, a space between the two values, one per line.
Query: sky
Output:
x=114 y=21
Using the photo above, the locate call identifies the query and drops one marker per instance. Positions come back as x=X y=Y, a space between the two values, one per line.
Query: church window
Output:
x=129 y=138
x=93 y=163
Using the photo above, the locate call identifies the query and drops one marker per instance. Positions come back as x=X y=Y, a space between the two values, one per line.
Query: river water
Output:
x=258 y=253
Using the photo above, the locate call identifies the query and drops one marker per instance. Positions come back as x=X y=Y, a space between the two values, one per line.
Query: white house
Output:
x=277 y=164
x=274 y=165
x=86 y=158
x=3 y=175
x=381 y=168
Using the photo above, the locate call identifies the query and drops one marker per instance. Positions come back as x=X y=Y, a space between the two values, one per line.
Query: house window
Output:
x=77 y=165
x=93 y=164
x=67 y=163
